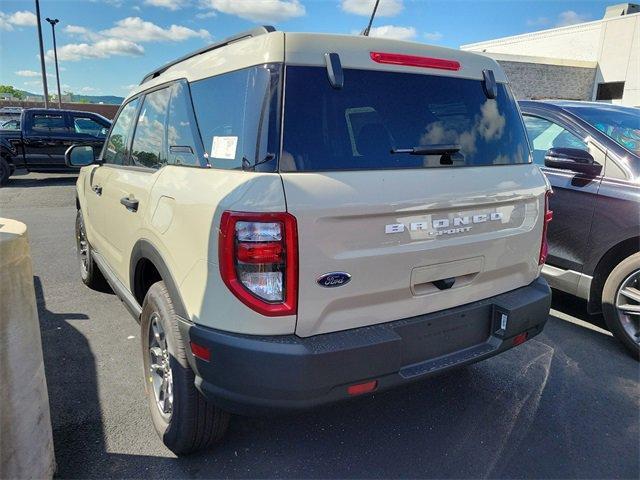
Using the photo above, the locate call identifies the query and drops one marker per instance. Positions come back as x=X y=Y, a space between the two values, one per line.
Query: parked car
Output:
x=11 y=124
x=382 y=224
x=590 y=152
x=10 y=112
x=43 y=138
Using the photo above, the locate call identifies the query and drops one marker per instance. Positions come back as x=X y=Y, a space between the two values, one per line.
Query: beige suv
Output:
x=296 y=219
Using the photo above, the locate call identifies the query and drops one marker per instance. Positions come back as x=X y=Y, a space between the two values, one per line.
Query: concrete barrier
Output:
x=26 y=442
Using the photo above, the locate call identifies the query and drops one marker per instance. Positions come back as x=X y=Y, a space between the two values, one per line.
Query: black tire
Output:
x=5 y=171
x=89 y=272
x=624 y=327
x=189 y=423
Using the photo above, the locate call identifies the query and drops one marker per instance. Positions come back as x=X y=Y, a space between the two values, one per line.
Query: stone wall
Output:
x=539 y=81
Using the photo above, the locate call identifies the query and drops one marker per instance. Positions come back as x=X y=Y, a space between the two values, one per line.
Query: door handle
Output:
x=130 y=203
x=97 y=189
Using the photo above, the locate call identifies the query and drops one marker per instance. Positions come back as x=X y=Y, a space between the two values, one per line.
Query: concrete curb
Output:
x=26 y=442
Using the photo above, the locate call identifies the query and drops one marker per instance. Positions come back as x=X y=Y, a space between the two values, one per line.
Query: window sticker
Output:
x=224 y=147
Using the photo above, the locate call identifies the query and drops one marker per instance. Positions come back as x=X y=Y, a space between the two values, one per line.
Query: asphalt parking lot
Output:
x=564 y=405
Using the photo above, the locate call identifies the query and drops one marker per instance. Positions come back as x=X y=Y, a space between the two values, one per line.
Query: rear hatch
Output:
x=415 y=233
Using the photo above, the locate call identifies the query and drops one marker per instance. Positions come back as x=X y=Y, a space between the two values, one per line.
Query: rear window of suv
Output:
x=356 y=127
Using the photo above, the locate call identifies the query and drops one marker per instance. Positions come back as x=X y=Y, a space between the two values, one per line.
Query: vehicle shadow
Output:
x=575 y=307
x=496 y=419
x=22 y=179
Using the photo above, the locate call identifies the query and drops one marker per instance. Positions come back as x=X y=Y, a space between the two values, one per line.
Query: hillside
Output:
x=106 y=99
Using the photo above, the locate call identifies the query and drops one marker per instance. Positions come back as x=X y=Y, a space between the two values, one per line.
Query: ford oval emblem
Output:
x=334 y=279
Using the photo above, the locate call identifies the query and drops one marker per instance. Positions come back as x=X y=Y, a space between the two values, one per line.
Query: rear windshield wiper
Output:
x=428 y=149
x=246 y=164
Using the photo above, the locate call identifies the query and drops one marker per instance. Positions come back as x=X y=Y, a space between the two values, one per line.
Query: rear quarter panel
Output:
x=183 y=222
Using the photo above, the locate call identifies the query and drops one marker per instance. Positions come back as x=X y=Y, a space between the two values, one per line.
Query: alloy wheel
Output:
x=83 y=248
x=628 y=305
x=160 y=367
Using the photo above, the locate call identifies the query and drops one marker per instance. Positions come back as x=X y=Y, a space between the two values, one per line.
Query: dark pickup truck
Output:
x=44 y=137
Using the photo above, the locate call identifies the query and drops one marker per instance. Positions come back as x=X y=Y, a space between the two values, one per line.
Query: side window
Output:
x=85 y=125
x=183 y=148
x=148 y=149
x=49 y=124
x=116 y=147
x=238 y=117
x=544 y=135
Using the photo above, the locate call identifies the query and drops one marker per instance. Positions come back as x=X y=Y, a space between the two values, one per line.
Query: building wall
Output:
x=108 y=111
x=576 y=42
x=619 y=56
x=537 y=81
x=614 y=43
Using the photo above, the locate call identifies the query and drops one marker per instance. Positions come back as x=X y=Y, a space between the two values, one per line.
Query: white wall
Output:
x=618 y=59
x=576 y=42
x=614 y=43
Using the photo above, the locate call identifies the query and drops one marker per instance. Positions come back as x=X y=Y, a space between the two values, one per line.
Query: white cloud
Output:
x=260 y=10
x=121 y=40
x=393 y=31
x=23 y=18
x=82 y=32
x=386 y=8
x=203 y=15
x=88 y=90
x=137 y=30
x=105 y=48
x=33 y=83
x=168 y=4
x=27 y=73
x=433 y=36
x=538 y=22
x=571 y=18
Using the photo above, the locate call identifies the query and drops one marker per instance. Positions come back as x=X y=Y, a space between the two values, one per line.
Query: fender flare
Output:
x=144 y=249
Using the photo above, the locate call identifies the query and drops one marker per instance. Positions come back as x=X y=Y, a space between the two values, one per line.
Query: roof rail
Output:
x=261 y=30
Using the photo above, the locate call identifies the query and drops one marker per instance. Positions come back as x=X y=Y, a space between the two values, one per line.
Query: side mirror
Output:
x=573 y=159
x=79 y=156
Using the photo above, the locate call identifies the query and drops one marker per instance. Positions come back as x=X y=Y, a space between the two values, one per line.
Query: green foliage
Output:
x=12 y=91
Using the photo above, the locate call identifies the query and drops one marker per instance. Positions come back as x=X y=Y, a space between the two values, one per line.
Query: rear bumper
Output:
x=261 y=374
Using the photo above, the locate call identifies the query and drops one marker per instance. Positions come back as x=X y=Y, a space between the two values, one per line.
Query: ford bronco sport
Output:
x=296 y=219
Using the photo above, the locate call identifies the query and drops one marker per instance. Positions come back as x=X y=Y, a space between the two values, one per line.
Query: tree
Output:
x=11 y=91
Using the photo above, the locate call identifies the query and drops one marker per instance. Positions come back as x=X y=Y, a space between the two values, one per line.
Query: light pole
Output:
x=44 y=71
x=55 y=56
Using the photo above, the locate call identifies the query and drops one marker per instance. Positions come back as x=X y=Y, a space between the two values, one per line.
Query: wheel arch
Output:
x=605 y=265
x=146 y=267
x=7 y=151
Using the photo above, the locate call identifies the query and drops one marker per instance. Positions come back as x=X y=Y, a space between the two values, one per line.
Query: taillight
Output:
x=415 y=61
x=548 y=216
x=258 y=255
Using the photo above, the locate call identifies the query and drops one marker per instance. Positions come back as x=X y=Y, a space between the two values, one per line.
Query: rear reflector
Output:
x=520 y=338
x=361 y=388
x=203 y=353
x=415 y=61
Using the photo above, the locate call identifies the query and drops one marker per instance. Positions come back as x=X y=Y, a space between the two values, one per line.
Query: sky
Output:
x=105 y=47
